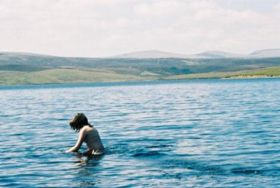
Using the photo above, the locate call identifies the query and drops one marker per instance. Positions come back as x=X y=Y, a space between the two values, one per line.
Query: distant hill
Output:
x=216 y=54
x=26 y=68
x=150 y=54
x=265 y=53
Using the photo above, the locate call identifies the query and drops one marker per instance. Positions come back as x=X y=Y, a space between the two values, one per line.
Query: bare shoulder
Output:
x=83 y=130
x=87 y=128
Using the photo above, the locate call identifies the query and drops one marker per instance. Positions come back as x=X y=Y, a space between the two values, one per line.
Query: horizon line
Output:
x=131 y=52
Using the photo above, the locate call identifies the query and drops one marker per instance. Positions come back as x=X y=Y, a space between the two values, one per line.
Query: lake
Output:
x=197 y=133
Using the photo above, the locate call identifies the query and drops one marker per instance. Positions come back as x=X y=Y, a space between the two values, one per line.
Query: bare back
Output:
x=92 y=139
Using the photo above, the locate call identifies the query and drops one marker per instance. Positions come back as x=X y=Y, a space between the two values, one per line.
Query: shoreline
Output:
x=251 y=77
x=130 y=82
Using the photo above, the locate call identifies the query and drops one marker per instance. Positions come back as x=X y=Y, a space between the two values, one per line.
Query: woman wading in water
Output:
x=87 y=134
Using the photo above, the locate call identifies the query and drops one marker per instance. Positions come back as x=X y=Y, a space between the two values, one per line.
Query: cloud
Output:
x=108 y=27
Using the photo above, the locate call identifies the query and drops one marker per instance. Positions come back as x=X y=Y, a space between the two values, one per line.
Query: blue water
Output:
x=205 y=133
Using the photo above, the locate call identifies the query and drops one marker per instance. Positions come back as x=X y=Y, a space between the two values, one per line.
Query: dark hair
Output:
x=79 y=121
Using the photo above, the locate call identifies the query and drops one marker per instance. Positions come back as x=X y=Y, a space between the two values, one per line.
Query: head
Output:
x=78 y=122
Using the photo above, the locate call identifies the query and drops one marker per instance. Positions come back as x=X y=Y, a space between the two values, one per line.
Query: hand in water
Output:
x=78 y=154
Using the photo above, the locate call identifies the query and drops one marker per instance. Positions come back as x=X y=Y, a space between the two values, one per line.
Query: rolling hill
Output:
x=26 y=68
x=217 y=55
x=265 y=53
x=150 y=54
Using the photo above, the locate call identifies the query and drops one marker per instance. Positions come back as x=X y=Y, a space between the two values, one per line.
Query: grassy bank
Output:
x=64 y=76
x=68 y=75
x=259 y=73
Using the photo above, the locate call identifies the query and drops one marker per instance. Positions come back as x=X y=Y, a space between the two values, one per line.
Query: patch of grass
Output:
x=65 y=76
x=265 y=72
x=72 y=75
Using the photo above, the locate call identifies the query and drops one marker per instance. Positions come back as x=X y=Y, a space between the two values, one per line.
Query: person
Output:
x=87 y=134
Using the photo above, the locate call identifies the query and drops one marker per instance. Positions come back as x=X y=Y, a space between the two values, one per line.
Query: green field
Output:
x=258 y=73
x=92 y=75
x=64 y=76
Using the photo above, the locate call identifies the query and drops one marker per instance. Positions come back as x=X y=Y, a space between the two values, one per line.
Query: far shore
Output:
x=136 y=82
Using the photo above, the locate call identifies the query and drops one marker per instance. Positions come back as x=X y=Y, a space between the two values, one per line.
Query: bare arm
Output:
x=79 y=142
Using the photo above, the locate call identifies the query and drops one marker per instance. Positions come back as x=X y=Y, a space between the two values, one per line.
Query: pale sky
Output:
x=98 y=28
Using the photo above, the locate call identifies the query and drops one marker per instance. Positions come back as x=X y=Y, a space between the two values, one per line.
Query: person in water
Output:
x=87 y=134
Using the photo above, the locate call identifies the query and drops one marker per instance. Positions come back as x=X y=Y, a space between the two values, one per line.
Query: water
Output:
x=206 y=133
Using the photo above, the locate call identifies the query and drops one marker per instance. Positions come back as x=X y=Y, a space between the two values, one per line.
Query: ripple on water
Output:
x=219 y=133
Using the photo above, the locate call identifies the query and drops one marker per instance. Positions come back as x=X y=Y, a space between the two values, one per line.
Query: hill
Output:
x=265 y=53
x=24 y=68
x=150 y=54
x=217 y=55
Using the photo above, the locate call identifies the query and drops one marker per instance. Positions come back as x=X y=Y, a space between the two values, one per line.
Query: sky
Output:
x=101 y=28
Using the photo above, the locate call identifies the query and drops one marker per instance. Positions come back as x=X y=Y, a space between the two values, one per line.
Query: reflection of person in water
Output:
x=87 y=134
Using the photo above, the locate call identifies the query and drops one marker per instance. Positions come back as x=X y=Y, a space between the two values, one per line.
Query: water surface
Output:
x=205 y=133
